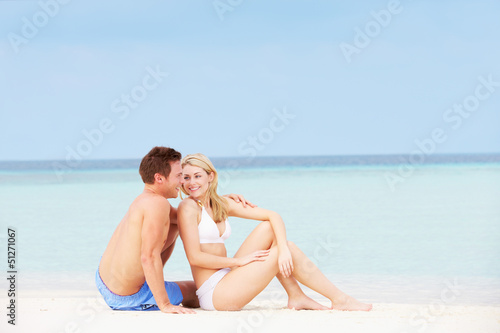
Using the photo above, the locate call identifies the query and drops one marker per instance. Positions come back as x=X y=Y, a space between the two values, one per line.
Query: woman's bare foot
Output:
x=348 y=303
x=303 y=302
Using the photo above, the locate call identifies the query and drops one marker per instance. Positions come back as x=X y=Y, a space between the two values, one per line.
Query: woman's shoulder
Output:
x=188 y=204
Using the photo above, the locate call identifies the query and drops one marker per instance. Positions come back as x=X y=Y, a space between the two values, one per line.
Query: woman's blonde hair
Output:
x=218 y=204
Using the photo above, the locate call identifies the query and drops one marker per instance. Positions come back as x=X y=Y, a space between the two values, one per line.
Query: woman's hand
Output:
x=255 y=256
x=285 y=262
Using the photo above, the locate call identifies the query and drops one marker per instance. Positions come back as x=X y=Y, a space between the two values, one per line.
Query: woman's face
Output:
x=195 y=181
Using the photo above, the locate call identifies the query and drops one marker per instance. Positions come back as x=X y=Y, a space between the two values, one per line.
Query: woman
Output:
x=230 y=283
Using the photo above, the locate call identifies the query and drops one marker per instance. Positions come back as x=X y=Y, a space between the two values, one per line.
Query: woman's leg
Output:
x=242 y=284
x=307 y=273
x=262 y=238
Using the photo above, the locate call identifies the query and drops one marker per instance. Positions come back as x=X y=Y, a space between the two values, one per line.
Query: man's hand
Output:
x=176 y=309
x=239 y=198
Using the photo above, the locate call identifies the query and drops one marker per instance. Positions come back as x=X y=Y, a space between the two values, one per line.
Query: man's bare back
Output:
x=121 y=266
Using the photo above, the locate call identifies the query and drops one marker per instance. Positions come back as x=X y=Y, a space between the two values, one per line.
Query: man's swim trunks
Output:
x=141 y=300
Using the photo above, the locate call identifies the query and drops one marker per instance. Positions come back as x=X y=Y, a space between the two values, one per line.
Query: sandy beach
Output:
x=89 y=314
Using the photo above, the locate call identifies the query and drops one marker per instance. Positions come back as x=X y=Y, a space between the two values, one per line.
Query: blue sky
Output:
x=244 y=78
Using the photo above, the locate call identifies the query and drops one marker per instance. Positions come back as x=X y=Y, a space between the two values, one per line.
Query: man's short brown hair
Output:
x=157 y=161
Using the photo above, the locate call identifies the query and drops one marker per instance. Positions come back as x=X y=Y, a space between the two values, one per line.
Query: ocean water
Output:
x=381 y=231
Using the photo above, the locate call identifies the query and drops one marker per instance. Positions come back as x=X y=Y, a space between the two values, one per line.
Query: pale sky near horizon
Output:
x=112 y=79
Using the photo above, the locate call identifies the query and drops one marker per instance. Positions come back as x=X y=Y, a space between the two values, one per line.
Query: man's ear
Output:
x=158 y=178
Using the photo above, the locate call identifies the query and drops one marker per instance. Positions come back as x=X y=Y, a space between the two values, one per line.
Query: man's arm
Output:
x=236 y=197
x=239 y=198
x=154 y=228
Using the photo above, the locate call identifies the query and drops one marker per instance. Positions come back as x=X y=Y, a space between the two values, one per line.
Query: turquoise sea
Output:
x=381 y=228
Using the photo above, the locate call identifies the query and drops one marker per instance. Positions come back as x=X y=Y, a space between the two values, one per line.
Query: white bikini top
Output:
x=208 y=231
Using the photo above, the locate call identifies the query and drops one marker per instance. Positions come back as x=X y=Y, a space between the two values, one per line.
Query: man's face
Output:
x=173 y=182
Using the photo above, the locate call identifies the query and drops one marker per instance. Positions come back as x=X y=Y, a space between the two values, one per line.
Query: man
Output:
x=130 y=274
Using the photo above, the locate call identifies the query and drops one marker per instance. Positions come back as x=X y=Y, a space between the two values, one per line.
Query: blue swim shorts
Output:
x=140 y=301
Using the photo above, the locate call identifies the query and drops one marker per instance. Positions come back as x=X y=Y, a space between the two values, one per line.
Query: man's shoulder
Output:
x=151 y=201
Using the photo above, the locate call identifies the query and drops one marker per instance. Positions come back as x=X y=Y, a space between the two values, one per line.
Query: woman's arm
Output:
x=188 y=229
x=260 y=214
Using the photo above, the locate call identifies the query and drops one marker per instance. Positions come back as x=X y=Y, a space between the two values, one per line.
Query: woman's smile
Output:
x=193 y=188
x=195 y=181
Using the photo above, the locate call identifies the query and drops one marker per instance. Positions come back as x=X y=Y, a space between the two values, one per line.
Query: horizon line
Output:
x=256 y=157
x=262 y=161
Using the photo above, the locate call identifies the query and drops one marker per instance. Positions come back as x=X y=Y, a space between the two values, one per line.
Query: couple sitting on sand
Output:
x=130 y=274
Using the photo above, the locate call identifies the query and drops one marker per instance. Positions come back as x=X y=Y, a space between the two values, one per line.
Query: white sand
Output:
x=89 y=314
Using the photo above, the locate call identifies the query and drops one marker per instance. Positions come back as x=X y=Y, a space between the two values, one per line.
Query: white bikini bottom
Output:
x=207 y=289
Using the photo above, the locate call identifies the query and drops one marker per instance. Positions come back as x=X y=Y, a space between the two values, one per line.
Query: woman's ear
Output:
x=211 y=176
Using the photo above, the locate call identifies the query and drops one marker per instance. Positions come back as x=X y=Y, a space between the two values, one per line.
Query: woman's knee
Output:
x=265 y=226
x=266 y=232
